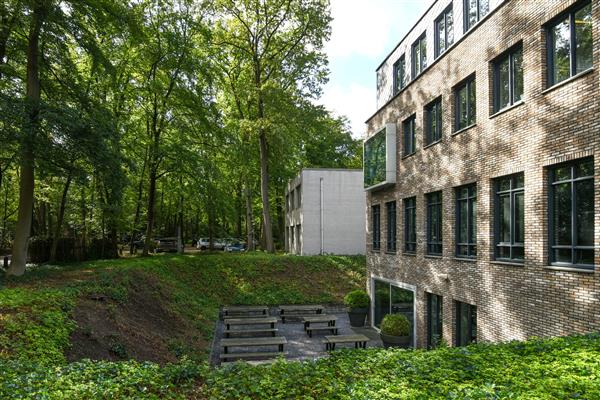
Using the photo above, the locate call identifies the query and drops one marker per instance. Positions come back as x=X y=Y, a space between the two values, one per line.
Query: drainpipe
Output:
x=321 y=212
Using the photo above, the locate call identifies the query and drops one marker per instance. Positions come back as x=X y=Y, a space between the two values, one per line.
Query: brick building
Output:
x=482 y=171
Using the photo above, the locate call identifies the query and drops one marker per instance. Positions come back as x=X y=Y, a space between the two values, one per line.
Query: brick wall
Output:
x=550 y=126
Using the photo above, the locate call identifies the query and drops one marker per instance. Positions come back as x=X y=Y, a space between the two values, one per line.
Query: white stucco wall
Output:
x=339 y=212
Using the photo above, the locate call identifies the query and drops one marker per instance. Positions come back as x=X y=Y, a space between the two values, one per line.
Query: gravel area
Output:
x=299 y=345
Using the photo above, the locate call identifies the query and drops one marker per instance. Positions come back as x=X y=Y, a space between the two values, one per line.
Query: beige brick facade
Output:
x=550 y=126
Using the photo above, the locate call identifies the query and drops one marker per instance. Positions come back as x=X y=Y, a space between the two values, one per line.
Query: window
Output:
x=392 y=299
x=299 y=196
x=570 y=44
x=509 y=218
x=466 y=324
x=433 y=122
x=444 y=31
x=475 y=10
x=419 y=56
x=571 y=218
x=466 y=221
x=408 y=127
x=391 y=226
x=465 y=104
x=434 y=320
x=508 y=78
x=399 y=74
x=287 y=202
x=434 y=223
x=375 y=215
x=410 y=225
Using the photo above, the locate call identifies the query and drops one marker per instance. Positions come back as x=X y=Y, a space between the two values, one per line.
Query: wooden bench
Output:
x=360 y=341
x=311 y=329
x=229 y=322
x=241 y=311
x=241 y=356
x=272 y=331
x=299 y=311
x=278 y=341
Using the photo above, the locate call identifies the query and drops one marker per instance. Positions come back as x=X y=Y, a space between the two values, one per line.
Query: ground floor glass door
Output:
x=391 y=299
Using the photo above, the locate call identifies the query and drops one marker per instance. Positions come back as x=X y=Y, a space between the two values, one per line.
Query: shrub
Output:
x=395 y=325
x=357 y=299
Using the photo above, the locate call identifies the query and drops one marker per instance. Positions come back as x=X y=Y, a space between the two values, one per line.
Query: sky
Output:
x=363 y=33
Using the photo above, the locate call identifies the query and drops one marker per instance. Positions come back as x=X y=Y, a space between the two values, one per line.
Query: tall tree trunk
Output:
x=249 y=218
x=150 y=215
x=27 y=178
x=180 y=242
x=138 y=205
x=264 y=191
x=60 y=217
x=84 y=224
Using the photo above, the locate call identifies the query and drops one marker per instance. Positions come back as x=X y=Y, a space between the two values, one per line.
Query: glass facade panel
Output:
x=466 y=324
x=410 y=225
x=434 y=320
x=375 y=220
x=583 y=39
x=391 y=226
x=382 y=301
x=561 y=51
x=375 y=159
x=408 y=127
x=466 y=221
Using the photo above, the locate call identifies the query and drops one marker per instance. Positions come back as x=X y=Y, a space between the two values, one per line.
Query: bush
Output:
x=357 y=299
x=395 y=325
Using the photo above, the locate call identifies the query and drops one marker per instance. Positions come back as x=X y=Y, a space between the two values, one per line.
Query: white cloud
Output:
x=357 y=102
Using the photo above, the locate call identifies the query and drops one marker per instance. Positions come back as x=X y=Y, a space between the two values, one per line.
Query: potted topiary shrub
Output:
x=357 y=302
x=395 y=331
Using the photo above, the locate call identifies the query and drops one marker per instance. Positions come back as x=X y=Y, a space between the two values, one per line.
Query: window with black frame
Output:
x=508 y=78
x=399 y=74
x=474 y=11
x=444 y=31
x=391 y=226
x=465 y=104
x=409 y=133
x=433 y=122
x=434 y=320
x=466 y=221
x=571 y=219
x=410 y=225
x=434 y=223
x=375 y=221
x=419 y=56
x=509 y=221
x=466 y=324
x=570 y=44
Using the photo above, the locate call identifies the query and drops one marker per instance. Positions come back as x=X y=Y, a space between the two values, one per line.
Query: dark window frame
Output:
x=410 y=243
x=433 y=342
x=399 y=84
x=512 y=192
x=391 y=233
x=471 y=114
x=472 y=324
x=467 y=24
x=422 y=56
x=430 y=136
x=447 y=43
x=570 y=13
x=435 y=247
x=471 y=199
x=376 y=226
x=573 y=246
x=409 y=135
x=510 y=54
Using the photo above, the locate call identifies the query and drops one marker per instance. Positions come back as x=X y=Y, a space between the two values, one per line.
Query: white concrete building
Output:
x=325 y=212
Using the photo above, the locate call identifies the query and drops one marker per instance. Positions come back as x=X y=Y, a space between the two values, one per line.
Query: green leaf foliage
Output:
x=395 y=325
x=357 y=299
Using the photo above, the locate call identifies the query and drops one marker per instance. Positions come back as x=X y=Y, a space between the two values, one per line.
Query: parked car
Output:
x=235 y=247
x=204 y=244
x=166 y=245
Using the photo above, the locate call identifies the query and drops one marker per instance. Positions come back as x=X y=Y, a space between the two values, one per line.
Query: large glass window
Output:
x=572 y=214
x=391 y=299
x=399 y=74
x=434 y=223
x=375 y=159
x=434 y=320
x=474 y=11
x=570 y=45
x=466 y=324
x=509 y=221
x=465 y=101
x=409 y=133
x=466 y=221
x=375 y=220
x=433 y=122
x=410 y=225
x=444 y=31
x=508 y=79
x=419 y=56
x=391 y=226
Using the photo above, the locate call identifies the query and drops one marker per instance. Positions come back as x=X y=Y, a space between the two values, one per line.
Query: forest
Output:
x=122 y=121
